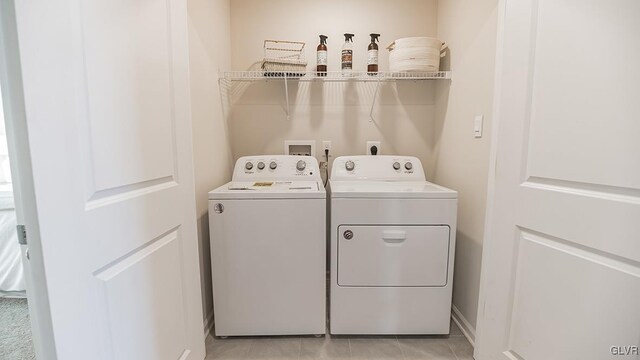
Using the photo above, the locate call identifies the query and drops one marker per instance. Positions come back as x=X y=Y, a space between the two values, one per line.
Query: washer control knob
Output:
x=301 y=165
x=349 y=165
x=408 y=165
x=396 y=165
x=248 y=165
x=260 y=165
x=348 y=234
x=273 y=165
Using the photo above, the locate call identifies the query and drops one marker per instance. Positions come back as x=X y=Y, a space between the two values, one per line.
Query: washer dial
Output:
x=349 y=165
x=301 y=165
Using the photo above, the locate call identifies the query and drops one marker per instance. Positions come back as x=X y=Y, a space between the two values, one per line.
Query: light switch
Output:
x=477 y=126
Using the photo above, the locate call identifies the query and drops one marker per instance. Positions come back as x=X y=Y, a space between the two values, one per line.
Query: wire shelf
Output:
x=336 y=76
x=227 y=77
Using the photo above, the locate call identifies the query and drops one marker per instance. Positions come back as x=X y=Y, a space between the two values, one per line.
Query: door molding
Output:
x=24 y=194
x=491 y=181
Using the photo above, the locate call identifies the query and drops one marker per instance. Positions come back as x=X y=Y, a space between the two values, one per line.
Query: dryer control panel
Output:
x=276 y=167
x=379 y=167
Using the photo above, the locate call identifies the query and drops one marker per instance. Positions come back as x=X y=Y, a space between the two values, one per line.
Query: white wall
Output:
x=432 y=120
x=338 y=112
x=209 y=51
x=462 y=161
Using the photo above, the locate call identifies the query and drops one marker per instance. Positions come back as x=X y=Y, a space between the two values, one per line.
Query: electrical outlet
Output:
x=371 y=144
x=326 y=145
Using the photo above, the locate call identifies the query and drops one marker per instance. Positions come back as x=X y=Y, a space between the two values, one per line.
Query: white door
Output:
x=106 y=96
x=561 y=268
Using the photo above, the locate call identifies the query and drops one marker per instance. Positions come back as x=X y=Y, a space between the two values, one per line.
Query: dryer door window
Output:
x=392 y=256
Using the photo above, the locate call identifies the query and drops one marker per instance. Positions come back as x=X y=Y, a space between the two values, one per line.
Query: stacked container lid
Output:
x=415 y=54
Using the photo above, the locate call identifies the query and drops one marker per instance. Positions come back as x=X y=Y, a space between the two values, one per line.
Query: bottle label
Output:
x=347 y=59
x=322 y=57
x=372 y=58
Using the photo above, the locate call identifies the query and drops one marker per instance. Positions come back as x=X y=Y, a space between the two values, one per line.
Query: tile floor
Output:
x=452 y=347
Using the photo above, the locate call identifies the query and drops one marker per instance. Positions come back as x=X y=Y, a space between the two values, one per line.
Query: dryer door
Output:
x=393 y=256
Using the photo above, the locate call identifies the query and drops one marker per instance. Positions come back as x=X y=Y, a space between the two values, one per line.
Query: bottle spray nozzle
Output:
x=348 y=37
x=323 y=39
x=374 y=37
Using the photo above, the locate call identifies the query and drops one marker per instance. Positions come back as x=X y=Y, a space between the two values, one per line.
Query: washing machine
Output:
x=268 y=248
x=392 y=237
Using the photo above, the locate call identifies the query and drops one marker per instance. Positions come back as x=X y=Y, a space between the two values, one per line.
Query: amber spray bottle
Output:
x=321 y=68
x=372 y=56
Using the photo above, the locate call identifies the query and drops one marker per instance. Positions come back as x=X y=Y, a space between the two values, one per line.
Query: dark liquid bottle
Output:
x=372 y=55
x=321 y=68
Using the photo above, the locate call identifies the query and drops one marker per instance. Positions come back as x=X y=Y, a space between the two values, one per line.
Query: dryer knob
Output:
x=396 y=165
x=248 y=165
x=260 y=165
x=301 y=165
x=349 y=165
x=408 y=165
x=273 y=165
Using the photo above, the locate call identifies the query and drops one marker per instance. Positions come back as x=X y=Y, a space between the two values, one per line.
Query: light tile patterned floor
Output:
x=452 y=347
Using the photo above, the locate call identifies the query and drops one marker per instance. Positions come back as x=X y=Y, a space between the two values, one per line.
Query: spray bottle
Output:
x=347 y=54
x=372 y=58
x=322 y=56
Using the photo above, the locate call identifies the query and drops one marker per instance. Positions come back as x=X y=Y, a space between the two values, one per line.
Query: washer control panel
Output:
x=276 y=167
x=379 y=167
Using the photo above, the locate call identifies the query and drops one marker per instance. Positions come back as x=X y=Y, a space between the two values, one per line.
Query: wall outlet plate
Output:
x=376 y=144
x=326 y=145
x=300 y=147
x=477 y=126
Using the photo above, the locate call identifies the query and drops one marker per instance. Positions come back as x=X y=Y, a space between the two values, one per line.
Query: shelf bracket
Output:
x=373 y=102
x=286 y=95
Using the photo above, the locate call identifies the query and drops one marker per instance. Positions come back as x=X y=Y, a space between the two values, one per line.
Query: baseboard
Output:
x=208 y=324
x=465 y=326
x=13 y=294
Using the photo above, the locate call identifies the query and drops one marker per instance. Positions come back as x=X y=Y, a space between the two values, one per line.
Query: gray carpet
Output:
x=15 y=330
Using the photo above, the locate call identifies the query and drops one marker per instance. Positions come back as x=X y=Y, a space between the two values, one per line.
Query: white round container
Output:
x=415 y=54
x=419 y=41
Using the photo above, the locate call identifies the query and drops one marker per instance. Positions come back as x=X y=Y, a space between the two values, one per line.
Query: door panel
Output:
x=578 y=291
x=548 y=208
x=583 y=83
x=127 y=58
x=108 y=115
x=561 y=265
x=393 y=255
x=146 y=286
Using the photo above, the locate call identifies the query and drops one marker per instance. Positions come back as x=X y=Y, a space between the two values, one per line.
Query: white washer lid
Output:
x=390 y=189
x=269 y=190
